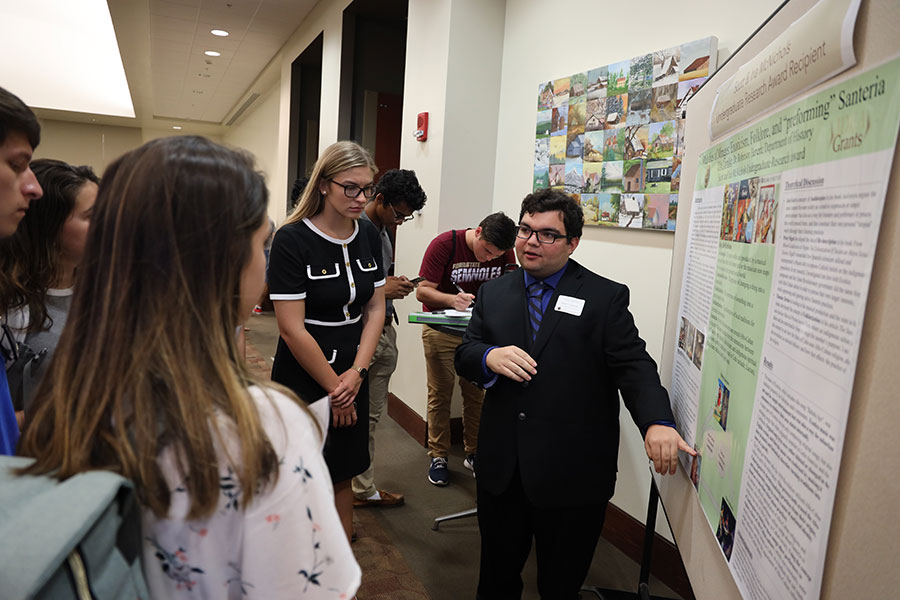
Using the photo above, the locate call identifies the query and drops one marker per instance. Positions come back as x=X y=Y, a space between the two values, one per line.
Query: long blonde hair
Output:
x=148 y=358
x=337 y=157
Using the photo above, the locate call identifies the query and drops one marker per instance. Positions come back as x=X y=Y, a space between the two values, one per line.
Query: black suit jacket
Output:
x=562 y=428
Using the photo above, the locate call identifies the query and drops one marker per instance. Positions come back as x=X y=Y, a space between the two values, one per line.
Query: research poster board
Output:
x=778 y=258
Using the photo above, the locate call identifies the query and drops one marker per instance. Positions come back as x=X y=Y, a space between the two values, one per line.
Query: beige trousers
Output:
x=440 y=348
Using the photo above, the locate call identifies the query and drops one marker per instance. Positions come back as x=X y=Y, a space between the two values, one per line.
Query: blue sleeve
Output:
x=9 y=428
x=490 y=378
x=647 y=426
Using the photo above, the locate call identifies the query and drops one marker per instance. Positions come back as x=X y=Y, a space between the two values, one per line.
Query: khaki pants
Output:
x=383 y=364
x=440 y=348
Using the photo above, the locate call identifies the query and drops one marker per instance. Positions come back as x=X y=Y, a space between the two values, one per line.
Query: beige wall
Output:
x=92 y=144
x=257 y=133
x=641 y=260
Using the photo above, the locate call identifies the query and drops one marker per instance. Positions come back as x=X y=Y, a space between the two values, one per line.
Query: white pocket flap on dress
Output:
x=323 y=271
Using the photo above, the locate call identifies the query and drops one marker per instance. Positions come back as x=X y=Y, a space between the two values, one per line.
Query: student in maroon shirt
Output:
x=455 y=265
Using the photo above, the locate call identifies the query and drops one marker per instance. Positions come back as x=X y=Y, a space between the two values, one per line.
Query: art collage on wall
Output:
x=613 y=137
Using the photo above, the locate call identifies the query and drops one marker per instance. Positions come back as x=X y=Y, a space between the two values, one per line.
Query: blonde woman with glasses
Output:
x=326 y=280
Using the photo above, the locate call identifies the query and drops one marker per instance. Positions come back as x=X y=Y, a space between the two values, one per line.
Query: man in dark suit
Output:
x=554 y=344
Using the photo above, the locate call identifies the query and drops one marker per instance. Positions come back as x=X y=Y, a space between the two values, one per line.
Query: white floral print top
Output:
x=288 y=543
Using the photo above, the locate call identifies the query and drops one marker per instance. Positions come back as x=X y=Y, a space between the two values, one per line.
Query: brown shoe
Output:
x=387 y=499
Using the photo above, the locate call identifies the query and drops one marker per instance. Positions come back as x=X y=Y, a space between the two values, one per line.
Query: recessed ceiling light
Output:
x=219 y=32
x=212 y=53
x=176 y=126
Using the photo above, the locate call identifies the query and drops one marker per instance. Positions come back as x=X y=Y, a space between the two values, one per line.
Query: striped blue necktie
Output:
x=536 y=306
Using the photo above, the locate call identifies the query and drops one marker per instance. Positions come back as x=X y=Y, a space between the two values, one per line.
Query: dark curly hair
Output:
x=499 y=230
x=400 y=186
x=547 y=200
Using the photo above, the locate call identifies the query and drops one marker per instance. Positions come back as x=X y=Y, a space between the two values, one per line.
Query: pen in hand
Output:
x=462 y=291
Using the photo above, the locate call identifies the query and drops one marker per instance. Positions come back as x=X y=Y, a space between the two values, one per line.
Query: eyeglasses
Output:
x=401 y=218
x=351 y=190
x=545 y=237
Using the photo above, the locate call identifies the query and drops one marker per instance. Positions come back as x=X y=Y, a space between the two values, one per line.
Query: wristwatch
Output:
x=363 y=372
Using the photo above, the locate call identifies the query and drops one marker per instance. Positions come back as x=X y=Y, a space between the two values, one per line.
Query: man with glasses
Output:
x=554 y=344
x=455 y=265
x=19 y=136
x=397 y=196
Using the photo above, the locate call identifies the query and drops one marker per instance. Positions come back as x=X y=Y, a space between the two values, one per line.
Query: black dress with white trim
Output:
x=335 y=278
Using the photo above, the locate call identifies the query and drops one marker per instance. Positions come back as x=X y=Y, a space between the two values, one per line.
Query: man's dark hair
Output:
x=399 y=186
x=547 y=200
x=299 y=185
x=499 y=230
x=16 y=116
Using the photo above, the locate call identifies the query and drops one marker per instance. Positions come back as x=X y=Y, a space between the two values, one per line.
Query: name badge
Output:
x=568 y=304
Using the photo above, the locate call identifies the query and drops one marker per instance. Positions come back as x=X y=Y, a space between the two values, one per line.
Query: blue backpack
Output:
x=79 y=538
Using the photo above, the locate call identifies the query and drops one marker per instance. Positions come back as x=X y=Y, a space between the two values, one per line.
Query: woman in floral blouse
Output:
x=147 y=381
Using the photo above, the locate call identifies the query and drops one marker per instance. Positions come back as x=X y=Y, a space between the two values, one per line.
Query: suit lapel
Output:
x=568 y=286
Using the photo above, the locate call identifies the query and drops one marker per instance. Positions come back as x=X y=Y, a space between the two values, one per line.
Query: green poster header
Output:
x=845 y=120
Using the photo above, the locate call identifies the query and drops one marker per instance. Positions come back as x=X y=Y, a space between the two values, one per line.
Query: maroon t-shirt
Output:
x=446 y=267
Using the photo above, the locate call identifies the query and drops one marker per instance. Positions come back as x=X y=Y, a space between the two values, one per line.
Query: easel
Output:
x=643 y=592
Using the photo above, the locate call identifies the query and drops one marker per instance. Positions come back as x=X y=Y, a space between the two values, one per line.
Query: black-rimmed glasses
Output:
x=398 y=218
x=543 y=236
x=351 y=190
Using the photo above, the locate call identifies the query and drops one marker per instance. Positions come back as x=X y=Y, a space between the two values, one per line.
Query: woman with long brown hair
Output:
x=326 y=281
x=38 y=262
x=148 y=382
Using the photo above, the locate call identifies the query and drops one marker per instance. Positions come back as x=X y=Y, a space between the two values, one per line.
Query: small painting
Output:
x=559 y=120
x=593 y=146
x=541 y=178
x=618 y=78
x=590 y=208
x=561 y=92
x=577 y=115
x=573 y=180
x=545 y=95
x=633 y=176
x=597 y=81
x=544 y=120
x=596 y=114
x=640 y=76
x=558 y=150
x=639 y=107
x=662 y=140
x=591 y=172
x=695 y=58
x=608 y=207
x=656 y=211
x=611 y=176
x=659 y=176
x=631 y=211
x=557 y=176
x=578 y=86
x=663 y=108
x=542 y=151
x=665 y=66
x=616 y=110
x=673 y=212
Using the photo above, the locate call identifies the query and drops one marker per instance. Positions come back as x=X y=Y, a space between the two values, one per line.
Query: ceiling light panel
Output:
x=75 y=65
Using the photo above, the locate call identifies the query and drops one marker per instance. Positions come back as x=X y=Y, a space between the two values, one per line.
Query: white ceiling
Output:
x=172 y=81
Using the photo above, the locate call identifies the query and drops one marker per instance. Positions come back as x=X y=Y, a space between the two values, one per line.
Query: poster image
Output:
x=725 y=531
x=619 y=121
x=720 y=411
